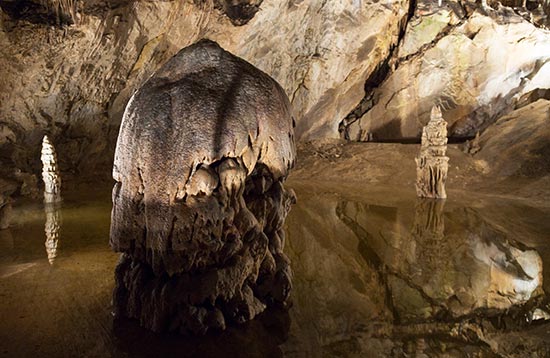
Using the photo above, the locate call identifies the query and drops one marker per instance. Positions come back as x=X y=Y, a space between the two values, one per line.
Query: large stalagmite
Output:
x=199 y=202
x=50 y=172
x=432 y=164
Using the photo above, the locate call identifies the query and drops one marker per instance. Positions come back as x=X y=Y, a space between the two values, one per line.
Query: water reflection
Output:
x=410 y=278
x=51 y=229
x=374 y=276
x=438 y=271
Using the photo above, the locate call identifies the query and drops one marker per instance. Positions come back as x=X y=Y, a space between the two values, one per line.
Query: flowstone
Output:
x=50 y=172
x=199 y=203
x=432 y=164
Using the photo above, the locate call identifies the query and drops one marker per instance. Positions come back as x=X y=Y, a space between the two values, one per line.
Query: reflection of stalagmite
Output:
x=199 y=203
x=50 y=172
x=51 y=228
x=428 y=219
x=432 y=164
x=429 y=232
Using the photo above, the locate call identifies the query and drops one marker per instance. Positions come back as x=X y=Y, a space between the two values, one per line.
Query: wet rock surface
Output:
x=199 y=202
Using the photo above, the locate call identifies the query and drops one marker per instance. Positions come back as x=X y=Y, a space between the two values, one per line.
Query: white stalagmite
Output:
x=50 y=172
x=432 y=163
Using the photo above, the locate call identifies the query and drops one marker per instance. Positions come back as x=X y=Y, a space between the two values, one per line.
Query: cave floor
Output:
x=377 y=273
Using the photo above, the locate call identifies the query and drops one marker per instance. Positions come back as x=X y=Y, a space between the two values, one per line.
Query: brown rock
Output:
x=199 y=205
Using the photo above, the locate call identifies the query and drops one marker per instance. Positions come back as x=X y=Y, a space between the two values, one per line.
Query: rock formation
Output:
x=50 y=172
x=5 y=211
x=432 y=164
x=199 y=204
x=478 y=63
x=75 y=78
x=51 y=229
x=472 y=146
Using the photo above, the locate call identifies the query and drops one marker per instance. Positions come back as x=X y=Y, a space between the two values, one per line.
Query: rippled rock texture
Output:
x=199 y=202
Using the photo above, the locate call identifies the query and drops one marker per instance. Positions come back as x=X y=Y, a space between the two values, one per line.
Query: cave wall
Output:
x=349 y=67
x=477 y=63
x=73 y=81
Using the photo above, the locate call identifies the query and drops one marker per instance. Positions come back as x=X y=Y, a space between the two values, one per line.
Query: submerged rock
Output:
x=199 y=204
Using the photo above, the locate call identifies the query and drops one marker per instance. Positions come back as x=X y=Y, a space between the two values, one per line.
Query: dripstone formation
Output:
x=432 y=164
x=50 y=172
x=199 y=204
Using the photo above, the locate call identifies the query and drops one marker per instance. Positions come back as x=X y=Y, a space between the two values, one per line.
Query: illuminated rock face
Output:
x=50 y=172
x=432 y=164
x=199 y=202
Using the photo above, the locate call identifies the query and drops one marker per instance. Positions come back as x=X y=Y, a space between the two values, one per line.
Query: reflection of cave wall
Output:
x=444 y=264
x=361 y=267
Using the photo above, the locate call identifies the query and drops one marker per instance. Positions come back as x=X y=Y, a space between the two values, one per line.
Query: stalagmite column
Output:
x=50 y=172
x=432 y=164
x=199 y=203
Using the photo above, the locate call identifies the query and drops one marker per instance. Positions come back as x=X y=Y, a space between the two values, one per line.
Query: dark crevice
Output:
x=50 y=12
x=378 y=76
x=392 y=63
x=239 y=12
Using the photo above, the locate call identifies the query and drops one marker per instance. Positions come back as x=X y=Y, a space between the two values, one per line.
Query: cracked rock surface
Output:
x=458 y=56
x=199 y=202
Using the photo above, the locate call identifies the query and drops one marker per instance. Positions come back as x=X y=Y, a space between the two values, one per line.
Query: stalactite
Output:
x=50 y=172
x=432 y=164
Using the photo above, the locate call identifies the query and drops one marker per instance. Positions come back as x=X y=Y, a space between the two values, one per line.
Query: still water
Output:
x=376 y=274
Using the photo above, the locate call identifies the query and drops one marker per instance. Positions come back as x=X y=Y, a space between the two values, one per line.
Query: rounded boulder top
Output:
x=203 y=105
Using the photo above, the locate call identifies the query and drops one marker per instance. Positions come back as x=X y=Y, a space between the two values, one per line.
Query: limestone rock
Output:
x=198 y=205
x=432 y=164
x=50 y=172
x=76 y=80
x=472 y=146
x=518 y=144
x=477 y=64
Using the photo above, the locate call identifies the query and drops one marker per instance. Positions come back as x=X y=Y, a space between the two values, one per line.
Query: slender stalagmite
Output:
x=432 y=163
x=50 y=172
